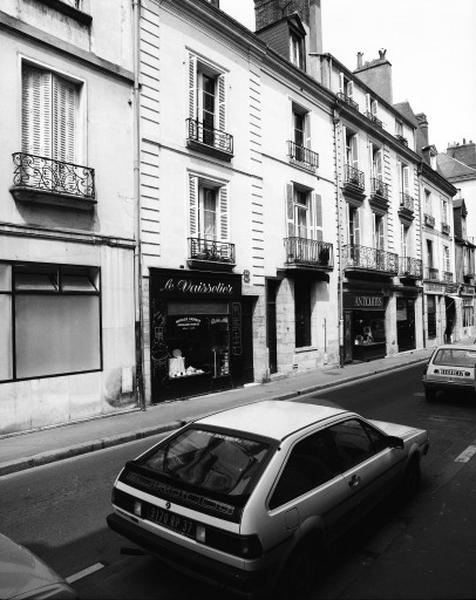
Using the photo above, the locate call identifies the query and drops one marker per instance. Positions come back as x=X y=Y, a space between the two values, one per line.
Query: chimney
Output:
x=422 y=138
x=377 y=74
x=360 y=59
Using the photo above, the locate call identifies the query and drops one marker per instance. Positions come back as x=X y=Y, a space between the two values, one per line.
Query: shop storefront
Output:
x=406 y=323
x=364 y=326
x=197 y=324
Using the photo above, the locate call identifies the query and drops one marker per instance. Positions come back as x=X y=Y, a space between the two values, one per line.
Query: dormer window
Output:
x=296 y=50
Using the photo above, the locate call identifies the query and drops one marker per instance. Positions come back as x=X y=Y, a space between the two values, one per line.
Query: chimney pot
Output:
x=360 y=56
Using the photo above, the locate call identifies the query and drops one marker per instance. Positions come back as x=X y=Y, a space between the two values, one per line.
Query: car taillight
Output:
x=245 y=546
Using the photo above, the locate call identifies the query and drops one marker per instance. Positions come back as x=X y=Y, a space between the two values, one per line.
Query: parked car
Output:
x=23 y=576
x=248 y=497
x=451 y=368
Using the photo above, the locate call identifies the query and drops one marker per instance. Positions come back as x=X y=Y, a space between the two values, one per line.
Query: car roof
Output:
x=457 y=347
x=272 y=418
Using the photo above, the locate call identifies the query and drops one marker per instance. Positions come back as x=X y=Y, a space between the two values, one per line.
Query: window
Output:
x=398 y=127
x=372 y=106
x=352 y=442
x=54 y=307
x=351 y=149
x=353 y=231
x=431 y=316
x=296 y=50
x=312 y=462
x=429 y=253
x=405 y=238
x=403 y=176
x=379 y=231
x=376 y=161
x=428 y=203
x=444 y=211
x=303 y=213
x=346 y=86
x=302 y=312
x=446 y=258
x=468 y=312
x=208 y=209
x=49 y=114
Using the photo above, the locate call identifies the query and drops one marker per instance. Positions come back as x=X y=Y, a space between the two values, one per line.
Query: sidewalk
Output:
x=32 y=449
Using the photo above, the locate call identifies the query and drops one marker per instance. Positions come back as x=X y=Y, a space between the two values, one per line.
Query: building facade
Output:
x=67 y=212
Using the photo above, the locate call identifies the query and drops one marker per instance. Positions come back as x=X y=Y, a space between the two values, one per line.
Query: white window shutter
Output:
x=307 y=130
x=192 y=86
x=341 y=83
x=224 y=214
x=316 y=216
x=64 y=119
x=350 y=89
x=221 y=102
x=356 y=227
x=374 y=107
x=290 y=209
x=354 y=151
x=378 y=164
x=36 y=111
x=193 y=205
x=405 y=175
x=367 y=102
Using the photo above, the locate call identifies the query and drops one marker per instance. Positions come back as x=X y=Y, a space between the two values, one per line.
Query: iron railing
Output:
x=347 y=100
x=215 y=138
x=211 y=250
x=353 y=176
x=375 y=120
x=410 y=267
x=379 y=188
x=303 y=156
x=429 y=220
x=447 y=276
x=445 y=228
x=42 y=174
x=308 y=252
x=407 y=202
x=432 y=273
x=374 y=259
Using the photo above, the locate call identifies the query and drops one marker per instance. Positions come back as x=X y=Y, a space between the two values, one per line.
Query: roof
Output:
x=451 y=167
x=272 y=418
x=406 y=111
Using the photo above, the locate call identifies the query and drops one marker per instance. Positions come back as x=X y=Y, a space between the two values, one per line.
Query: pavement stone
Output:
x=31 y=449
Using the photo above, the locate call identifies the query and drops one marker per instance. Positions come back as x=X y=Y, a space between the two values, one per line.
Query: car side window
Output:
x=378 y=439
x=352 y=442
x=312 y=462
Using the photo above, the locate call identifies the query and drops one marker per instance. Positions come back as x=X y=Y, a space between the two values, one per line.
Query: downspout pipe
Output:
x=340 y=283
x=138 y=300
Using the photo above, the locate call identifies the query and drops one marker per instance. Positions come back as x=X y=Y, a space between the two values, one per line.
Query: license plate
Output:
x=171 y=520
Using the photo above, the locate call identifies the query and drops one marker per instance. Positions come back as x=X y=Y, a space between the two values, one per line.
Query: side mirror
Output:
x=395 y=442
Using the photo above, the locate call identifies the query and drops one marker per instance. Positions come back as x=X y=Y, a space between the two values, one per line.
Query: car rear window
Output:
x=456 y=357
x=209 y=460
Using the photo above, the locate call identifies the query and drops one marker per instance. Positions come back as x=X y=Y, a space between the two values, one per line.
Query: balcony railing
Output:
x=447 y=276
x=50 y=181
x=348 y=100
x=379 y=188
x=306 y=252
x=407 y=202
x=210 y=140
x=432 y=274
x=353 y=177
x=375 y=120
x=410 y=267
x=403 y=140
x=445 y=228
x=303 y=156
x=429 y=220
x=362 y=257
x=211 y=251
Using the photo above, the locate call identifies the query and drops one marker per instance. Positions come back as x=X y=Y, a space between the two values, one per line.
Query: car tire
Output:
x=411 y=479
x=430 y=395
x=299 y=573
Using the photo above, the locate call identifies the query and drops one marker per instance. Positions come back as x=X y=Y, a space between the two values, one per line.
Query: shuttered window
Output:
x=206 y=95
x=208 y=210
x=303 y=213
x=49 y=114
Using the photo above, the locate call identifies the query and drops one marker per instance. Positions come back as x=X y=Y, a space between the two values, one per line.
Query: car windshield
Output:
x=209 y=460
x=455 y=357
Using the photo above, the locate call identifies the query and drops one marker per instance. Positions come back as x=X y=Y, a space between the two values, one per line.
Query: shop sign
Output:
x=236 y=348
x=452 y=288
x=467 y=290
x=363 y=302
x=182 y=285
x=434 y=287
x=188 y=323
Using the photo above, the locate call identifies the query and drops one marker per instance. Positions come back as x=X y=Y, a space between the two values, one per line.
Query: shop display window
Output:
x=368 y=328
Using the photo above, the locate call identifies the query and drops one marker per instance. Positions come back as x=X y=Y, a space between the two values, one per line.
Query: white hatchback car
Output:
x=451 y=368
x=249 y=496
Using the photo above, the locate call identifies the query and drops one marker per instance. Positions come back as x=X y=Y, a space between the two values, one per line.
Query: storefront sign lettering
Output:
x=186 y=286
x=434 y=287
x=188 y=322
x=368 y=301
x=236 y=348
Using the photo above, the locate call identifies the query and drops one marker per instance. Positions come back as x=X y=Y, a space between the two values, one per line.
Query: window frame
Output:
x=60 y=269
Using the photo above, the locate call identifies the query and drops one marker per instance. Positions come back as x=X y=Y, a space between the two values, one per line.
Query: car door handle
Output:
x=354 y=481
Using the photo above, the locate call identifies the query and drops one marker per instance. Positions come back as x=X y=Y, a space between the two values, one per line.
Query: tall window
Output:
x=431 y=315
x=302 y=312
x=296 y=50
x=376 y=158
x=446 y=258
x=303 y=213
x=346 y=86
x=208 y=209
x=405 y=233
x=379 y=231
x=207 y=214
x=444 y=211
x=428 y=203
x=351 y=149
x=398 y=127
x=429 y=254
x=49 y=114
x=353 y=230
x=404 y=178
x=207 y=100
x=299 y=127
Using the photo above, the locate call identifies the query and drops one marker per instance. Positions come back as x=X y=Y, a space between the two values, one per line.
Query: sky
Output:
x=431 y=45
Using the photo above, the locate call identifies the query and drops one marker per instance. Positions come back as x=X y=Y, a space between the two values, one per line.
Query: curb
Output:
x=50 y=456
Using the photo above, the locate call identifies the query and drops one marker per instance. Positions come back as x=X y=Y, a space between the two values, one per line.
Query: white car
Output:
x=451 y=368
x=248 y=497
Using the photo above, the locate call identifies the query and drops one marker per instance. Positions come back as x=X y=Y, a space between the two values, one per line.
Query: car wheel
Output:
x=299 y=574
x=430 y=395
x=411 y=478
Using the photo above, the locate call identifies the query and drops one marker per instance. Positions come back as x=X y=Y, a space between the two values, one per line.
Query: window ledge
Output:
x=305 y=349
x=70 y=11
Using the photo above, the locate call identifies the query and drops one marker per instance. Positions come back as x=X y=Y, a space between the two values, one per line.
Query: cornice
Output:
x=437 y=179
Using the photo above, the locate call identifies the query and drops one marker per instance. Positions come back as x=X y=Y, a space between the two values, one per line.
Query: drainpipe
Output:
x=340 y=289
x=423 y=299
x=139 y=343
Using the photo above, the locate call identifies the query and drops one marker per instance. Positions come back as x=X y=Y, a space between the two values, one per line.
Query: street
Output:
x=423 y=549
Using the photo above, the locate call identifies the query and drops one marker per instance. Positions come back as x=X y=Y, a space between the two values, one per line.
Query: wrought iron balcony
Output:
x=353 y=177
x=429 y=220
x=407 y=202
x=211 y=254
x=42 y=180
x=310 y=253
x=432 y=274
x=347 y=100
x=302 y=156
x=209 y=140
x=410 y=267
x=379 y=188
x=403 y=140
x=375 y=120
x=445 y=228
x=371 y=259
x=447 y=277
